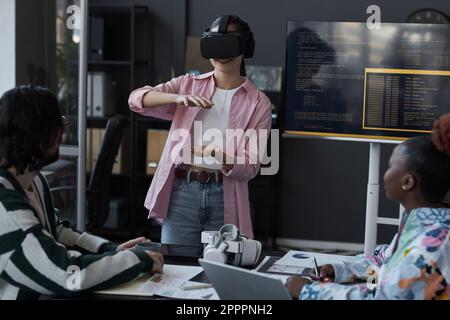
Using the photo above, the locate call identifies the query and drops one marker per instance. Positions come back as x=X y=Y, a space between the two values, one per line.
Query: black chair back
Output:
x=100 y=181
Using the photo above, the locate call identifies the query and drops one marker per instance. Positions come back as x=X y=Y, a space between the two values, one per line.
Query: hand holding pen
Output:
x=325 y=273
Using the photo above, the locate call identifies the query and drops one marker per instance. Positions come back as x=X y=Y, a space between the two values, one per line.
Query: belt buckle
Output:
x=202 y=180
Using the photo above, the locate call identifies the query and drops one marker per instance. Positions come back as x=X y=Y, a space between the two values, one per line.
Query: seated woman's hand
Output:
x=295 y=284
x=130 y=244
x=158 y=261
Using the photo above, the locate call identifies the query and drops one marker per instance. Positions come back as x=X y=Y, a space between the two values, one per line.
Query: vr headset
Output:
x=228 y=246
x=223 y=44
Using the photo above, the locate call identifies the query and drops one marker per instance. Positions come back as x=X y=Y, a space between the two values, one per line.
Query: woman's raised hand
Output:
x=194 y=101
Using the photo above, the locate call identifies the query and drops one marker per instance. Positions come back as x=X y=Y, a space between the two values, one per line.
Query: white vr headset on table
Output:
x=228 y=246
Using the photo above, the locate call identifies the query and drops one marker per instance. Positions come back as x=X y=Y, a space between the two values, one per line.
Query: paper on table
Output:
x=173 y=290
x=276 y=268
x=269 y=265
x=170 y=282
x=260 y=268
x=303 y=259
x=181 y=272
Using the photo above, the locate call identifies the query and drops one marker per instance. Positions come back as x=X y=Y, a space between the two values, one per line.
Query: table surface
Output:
x=130 y=290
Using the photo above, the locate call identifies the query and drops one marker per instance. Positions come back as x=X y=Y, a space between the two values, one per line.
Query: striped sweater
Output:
x=55 y=259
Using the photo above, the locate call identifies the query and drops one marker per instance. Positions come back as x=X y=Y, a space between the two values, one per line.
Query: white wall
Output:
x=7 y=45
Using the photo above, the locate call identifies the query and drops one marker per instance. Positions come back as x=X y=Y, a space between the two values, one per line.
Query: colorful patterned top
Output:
x=415 y=267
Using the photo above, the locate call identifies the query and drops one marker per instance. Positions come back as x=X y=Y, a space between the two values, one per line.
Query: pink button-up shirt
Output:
x=250 y=109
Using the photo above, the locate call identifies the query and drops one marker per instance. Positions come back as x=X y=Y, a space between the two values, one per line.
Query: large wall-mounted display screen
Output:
x=346 y=80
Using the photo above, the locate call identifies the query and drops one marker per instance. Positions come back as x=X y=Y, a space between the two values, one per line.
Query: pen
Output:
x=316 y=268
x=197 y=286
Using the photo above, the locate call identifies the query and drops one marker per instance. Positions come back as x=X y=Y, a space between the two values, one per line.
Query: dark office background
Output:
x=323 y=183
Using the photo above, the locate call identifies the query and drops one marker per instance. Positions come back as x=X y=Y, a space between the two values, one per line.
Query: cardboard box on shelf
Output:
x=156 y=139
x=120 y=165
x=121 y=162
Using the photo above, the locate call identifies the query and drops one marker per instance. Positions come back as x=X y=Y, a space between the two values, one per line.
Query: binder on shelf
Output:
x=156 y=139
x=89 y=98
x=103 y=95
x=88 y=149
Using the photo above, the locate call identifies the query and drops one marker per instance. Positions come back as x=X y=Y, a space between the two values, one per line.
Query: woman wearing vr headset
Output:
x=416 y=264
x=206 y=185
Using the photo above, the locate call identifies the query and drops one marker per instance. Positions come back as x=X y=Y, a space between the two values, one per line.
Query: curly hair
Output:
x=429 y=158
x=29 y=117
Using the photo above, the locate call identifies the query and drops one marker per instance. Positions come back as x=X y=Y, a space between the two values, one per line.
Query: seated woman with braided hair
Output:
x=416 y=264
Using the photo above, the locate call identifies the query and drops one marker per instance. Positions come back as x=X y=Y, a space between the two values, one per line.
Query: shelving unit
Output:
x=126 y=60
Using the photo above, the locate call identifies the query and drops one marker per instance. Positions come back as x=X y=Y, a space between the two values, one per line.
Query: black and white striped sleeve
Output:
x=82 y=241
x=41 y=264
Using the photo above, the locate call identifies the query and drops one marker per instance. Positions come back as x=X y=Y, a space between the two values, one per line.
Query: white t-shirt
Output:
x=214 y=123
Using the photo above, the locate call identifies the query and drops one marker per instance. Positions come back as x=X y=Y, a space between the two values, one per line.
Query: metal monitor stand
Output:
x=373 y=192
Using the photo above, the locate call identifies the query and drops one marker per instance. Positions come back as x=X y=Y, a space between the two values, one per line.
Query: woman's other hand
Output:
x=210 y=150
x=295 y=284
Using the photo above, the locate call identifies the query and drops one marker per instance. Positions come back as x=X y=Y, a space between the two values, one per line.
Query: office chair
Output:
x=98 y=189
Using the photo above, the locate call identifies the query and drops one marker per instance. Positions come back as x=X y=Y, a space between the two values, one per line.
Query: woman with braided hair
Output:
x=416 y=264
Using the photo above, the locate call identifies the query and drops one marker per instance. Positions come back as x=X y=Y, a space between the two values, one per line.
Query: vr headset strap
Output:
x=224 y=24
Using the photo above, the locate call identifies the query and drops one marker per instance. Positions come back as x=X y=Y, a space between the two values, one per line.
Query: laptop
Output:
x=234 y=283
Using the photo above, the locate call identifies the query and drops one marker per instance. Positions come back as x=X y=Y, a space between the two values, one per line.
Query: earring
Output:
x=404 y=187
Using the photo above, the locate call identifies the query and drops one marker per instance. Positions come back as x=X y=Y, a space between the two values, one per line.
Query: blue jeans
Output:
x=194 y=207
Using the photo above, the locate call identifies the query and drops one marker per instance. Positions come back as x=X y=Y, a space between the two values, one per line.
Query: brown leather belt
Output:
x=201 y=176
